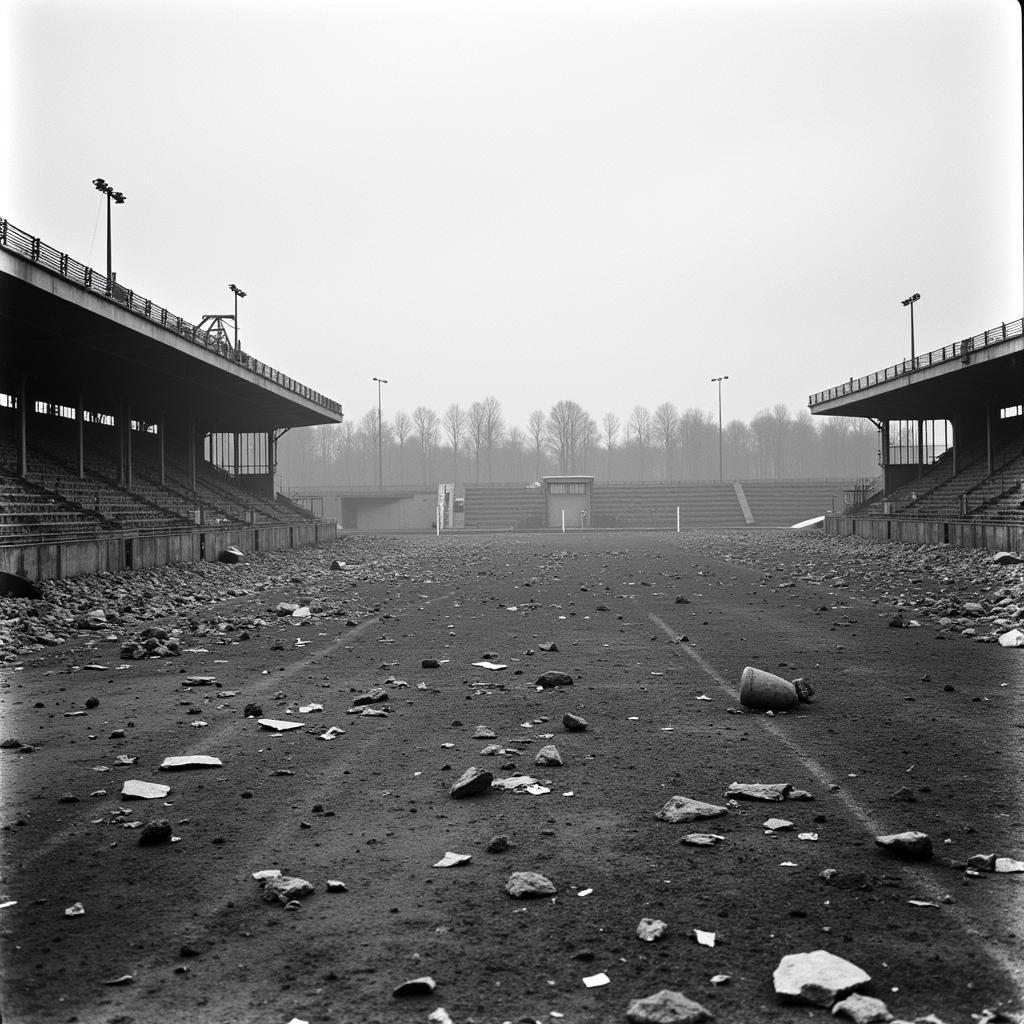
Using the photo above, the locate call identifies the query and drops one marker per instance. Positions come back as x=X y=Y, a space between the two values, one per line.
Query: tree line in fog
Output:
x=475 y=444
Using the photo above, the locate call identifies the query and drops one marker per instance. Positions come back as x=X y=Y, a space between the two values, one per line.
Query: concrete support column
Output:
x=80 y=425
x=163 y=453
x=956 y=445
x=23 y=428
x=989 y=457
x=192 y=454
x=128 y=475
x=920 y=447
x=121 y=476
x=272 y=463
x=237 y=454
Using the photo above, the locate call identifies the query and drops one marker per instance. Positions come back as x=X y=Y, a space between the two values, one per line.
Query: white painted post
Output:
x=677 y=518
x=437 y=519
x=563 y=520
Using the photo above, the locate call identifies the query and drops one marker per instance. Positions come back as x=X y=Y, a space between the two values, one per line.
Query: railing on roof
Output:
x=958 y=350
x=34 y=249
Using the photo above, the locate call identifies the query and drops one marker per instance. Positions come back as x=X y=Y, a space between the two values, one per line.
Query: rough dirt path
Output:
x=371 y=807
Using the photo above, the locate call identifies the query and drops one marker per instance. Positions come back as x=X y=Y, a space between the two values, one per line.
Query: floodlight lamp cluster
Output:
x=108 y=190
x=237 y=291
x=913 y=298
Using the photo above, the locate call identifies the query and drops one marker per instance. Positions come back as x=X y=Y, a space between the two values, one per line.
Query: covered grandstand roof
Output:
x=987 y=370
x=64 y=331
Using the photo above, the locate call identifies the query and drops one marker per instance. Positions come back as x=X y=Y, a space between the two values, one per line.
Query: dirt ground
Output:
x=923 y=712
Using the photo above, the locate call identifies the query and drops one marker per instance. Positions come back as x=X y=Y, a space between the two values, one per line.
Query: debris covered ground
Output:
x=510 y=778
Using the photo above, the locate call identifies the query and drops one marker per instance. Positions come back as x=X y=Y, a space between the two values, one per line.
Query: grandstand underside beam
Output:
x=72 y=345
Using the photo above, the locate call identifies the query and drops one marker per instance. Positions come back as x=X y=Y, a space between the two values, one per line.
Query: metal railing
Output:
x=958 y=350
x=34 y=249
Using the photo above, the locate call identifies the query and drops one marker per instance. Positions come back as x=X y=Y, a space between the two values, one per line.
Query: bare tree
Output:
x=402 y=427
x=610 y=428
x=494 y=426
x=665 y=430
x=640 y=423
x=455 y=429
x=427 y=425
x=475 y=432
x=516 y=439
x=566 y=430
x=535 y=427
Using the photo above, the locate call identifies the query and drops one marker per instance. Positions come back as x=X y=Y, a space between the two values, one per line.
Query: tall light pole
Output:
x=719 y=380
x=239 y=294
x=118 y=198
x=910 y=302
x=380 y=437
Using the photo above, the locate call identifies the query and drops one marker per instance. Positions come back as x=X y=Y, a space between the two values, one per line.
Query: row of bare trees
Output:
x=474 y=444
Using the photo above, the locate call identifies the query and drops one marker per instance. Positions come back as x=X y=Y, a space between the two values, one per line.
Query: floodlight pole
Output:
x=118 y=197
x=239 y=294
x=380 y=437
x=910 y=302
x=719 y=380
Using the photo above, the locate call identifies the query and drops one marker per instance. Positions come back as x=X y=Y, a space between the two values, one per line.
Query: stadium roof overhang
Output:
x=69 y=341
x=966 y=378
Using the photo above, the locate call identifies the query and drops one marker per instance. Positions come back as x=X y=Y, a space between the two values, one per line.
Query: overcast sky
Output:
x=606 y=202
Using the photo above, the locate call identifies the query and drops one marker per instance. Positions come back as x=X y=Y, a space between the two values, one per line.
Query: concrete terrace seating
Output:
x=28 y=511
x=653 y=506
x=505 y=508
x=787 y=502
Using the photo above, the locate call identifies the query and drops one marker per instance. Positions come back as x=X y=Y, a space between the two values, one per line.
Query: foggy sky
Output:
x=605 y=202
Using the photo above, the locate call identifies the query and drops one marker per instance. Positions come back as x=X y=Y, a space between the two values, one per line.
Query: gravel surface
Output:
x=120 y=910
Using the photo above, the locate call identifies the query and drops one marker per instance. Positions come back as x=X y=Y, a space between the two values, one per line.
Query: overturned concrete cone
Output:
x=764 y=691
x=231 y=555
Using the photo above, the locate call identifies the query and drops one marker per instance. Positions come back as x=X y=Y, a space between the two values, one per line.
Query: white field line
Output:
x=923 y=881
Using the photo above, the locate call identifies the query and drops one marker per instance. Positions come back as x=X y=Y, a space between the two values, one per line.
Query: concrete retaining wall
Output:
x=988 y=536
x=111 y=554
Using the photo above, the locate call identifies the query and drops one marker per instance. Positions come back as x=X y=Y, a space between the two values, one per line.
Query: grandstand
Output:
x=654 y=506
x=969 y=491
x=128 y=436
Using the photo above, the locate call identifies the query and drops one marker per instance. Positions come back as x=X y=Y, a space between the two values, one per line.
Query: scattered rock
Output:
x=650 y=929
x=483 y=733
x=471 y=782
x=523 y=885
x=666 y=1007
x=284 y=888
x=573 y=723
x=771 y=791
x=154 y=833
x=253 y=710
x=681 y=808
x=548 y=757
x=430 y=663
x=498 y=844
x=374 y=696
x=702 y=839
x=911 y=845
x=862 y=1009
x=553 y=678
x=818 y=978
